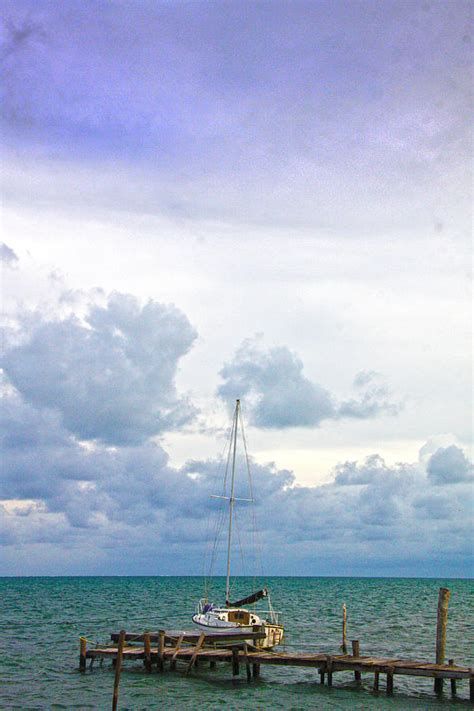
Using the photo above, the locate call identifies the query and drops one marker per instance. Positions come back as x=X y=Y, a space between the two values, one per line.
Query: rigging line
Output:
x=222 y=515
x=255 y=533
x=208 y=538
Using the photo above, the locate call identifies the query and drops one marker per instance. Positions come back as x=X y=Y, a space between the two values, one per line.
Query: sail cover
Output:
x=251 y=598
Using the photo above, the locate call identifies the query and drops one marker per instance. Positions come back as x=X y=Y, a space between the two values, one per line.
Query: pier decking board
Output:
x=189 y=647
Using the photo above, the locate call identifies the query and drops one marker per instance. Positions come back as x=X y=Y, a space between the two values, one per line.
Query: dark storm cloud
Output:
x=7 y=255
x=449 y=465
x=110 y=376
x=279 y=395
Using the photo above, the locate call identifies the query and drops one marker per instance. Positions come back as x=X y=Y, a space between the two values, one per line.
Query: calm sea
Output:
x=42 y=619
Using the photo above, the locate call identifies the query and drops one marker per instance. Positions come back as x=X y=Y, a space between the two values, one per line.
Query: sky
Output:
x=204 y=201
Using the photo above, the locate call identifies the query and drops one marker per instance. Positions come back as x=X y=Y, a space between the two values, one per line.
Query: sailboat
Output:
x=222 y=619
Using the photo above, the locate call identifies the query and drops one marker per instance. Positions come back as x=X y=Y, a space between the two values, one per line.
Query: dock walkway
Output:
x=193 y=649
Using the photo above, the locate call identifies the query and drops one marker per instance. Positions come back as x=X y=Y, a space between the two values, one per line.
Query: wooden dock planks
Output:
x=190 y=648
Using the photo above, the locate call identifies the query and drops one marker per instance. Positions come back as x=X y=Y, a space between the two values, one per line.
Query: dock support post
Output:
x=118 y=669
x=235 y=662
x=176 y=650
x=247 y=663
x=321 y=676
x=344 y=629
x=471 y=685
x=256 y=670
x=389 y=681
x=329 y=669
x=453 y=681
x=376 y=681
x=198 y=646
x=147 y=651
x=82 y=653
x=442 y=621
x=212 y=664
x=161 y=648
x=356 y=653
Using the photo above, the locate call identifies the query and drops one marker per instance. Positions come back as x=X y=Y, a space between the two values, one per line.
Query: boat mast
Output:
x=231 y=502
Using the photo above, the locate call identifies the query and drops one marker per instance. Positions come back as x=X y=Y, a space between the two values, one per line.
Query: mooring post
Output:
x=344 y=629
x=356 y=653
x=161 y=649
x=235 y=661
x=442 y=621
x=118 y=669
x=147 y=651
x=453 y=681
x=82 y=653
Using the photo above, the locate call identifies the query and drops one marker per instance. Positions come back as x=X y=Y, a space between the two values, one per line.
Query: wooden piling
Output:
x=389 y=681
x=329 y=662
x=344 y=629
x=453 y=681
x=321 y=676
x=176 y=650
x=356 y=653
x=118 y=669
x=198 y=646
x=147 y=651
x=442 y=621
x=161 y=648
x=256 y=670
x=235 y=662
x=247 y=663
x=376 y=681
x=471 y=686
x=82 y=653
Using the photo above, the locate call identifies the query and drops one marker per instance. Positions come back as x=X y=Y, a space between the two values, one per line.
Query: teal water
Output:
x=42 y=619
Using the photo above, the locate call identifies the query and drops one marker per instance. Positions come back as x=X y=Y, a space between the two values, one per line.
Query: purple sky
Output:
x=205 y=200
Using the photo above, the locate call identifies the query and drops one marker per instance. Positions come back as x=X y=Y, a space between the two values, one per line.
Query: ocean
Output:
x=42 y=618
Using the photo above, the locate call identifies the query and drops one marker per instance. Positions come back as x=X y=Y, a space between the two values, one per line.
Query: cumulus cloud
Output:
x=7 y=255
x=110 y=375
x=58 y=492
x=279 y=395
x=449 y=465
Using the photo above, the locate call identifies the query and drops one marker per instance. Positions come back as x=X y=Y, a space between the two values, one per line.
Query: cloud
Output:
x=278 y=394
x=109 y=375
x=57 y=492
x=7 y=255
x=449 y=465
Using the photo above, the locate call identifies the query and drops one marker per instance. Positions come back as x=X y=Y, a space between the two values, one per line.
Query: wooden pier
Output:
x=166 y=648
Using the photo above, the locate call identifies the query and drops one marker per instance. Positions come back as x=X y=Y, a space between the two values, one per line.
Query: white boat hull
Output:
x=273 y=632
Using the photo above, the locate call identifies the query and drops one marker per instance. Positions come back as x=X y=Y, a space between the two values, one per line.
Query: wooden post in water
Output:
x=247 y=663
x=329 y=668
x=161 y=648
x=147 y=651
x=256 y=670
x=376 y=681
x=443 y=601
x=235 y=661
x=356 y=653
x=453 y=681
x=389 y=681
x=471 y=686
x=82 y=653
x=118 y=669
x=344 y=629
